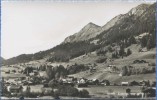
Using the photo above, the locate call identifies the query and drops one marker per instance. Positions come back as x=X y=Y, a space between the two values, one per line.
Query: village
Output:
x=17 y=80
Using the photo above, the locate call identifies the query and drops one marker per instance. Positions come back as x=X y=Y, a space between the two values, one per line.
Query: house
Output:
x=105 y=82
x=142 y=35
x=93 y=70
x=35 y=72
x=92 y=82
x=124 y=83
x=120 y=74
x=110 y=67
x=82 y=80
x=70 y=78
x=144 y=83
x=31 y=74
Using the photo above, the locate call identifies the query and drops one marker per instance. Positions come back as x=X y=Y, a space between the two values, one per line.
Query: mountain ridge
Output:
x=88 y=31
x=118 y=28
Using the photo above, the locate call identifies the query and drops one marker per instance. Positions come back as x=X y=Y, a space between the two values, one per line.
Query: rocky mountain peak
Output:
x=88 y=31
x=138 y=10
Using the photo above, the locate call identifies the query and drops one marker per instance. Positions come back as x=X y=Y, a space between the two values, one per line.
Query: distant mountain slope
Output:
x=138 y=20
x=134 y=11
x=2 y=59
x=89 y=31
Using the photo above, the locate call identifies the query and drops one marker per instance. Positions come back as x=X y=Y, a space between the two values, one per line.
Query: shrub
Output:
x=84 y=93
x=76 y=68
x=129 y=52
x=53 y=84
x=56 y=94
x=110 y=90
x=128 y=90
x=101 y=52
x=47 y=92
x=31 y=94
x=110 y=49
x=101 y=60
x=68 y=91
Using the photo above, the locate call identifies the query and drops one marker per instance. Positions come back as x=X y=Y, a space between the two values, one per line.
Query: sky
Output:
x=30 y=27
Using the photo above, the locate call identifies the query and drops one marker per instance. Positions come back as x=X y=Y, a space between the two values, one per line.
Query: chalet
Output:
x=69 y=79
x=124 y=83
x=105 y=82
x=31 y=74
x=120 y=74
x=64 y=80
x=110 y=67
x=44 y=81
x=144 y=83
x=142 y=35
x=93 y=70
x=35 y=72
x=30 y=83
x=82 y=80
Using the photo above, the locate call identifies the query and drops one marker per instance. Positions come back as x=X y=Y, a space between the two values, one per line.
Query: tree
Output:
x=68 y=91
x=149 y=42
x=53 y=84
x=84 y=93
x=144 y=71
x=57 y=75
x=110 y=49
x=144 y=41
x=132 y=40
x=129 y=52
x=5 y=92
x=124 y=70
x=50 y=73
x=121 y=51
x=113 y=55
x=28 y=70
x=128 y=91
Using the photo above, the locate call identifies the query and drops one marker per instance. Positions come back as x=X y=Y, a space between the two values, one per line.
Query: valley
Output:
x=117 y=60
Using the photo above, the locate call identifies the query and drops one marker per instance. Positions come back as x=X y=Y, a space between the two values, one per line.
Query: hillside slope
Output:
x=102 y=71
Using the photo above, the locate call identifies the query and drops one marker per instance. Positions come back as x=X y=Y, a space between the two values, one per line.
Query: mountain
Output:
x=138 y=20
x=87 y=32
x=2 y=59
x=139 y=10
x=134 y=11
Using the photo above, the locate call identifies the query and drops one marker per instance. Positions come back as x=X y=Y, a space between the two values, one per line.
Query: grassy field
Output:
x=101 y=72
x=34 y=88
x=12 y=75
x=102 y=91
